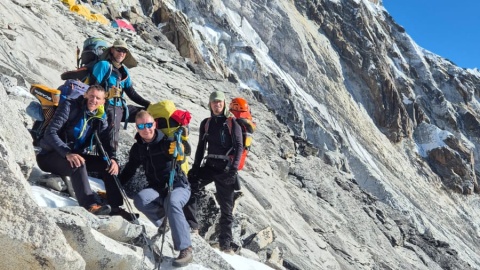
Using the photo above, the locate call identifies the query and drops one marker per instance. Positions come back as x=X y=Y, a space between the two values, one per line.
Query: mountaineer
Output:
x=113 y=74
x=217 y=168
x=166 y=193
x=66 y=147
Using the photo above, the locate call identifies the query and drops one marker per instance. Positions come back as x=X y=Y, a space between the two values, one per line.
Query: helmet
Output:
x=239 y=104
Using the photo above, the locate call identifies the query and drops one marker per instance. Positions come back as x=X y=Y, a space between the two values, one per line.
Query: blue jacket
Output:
x=72 y=127
x=105 y=68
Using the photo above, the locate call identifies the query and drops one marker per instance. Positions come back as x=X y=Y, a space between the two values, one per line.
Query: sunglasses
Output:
x=121 y=50
x=143 y=126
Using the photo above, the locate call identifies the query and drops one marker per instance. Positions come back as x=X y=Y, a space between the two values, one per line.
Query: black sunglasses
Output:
x=143 y=126
x=121 y=50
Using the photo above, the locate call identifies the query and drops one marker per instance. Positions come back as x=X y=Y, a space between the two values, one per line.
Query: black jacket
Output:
x=156 y=162
x=69 y=120
x=219 y=142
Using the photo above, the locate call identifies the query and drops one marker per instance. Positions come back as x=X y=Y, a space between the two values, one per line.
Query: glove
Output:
x=114 y=92
x=171 y=150
x=232 y=173
x=228 y=177
x=230 y=170
x=193 y=173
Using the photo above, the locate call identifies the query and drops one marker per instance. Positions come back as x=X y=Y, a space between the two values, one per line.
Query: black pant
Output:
x=224 y=196
x=54 y=163
x=116 y=115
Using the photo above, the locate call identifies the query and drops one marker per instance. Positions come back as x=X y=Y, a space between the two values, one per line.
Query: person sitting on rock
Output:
x=66 y=145
x=153 y=150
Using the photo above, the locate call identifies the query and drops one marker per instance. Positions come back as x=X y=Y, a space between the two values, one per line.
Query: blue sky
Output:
x=450 y=29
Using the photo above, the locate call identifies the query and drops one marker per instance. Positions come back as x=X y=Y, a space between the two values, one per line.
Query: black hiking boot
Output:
x=124 y=214
x=227 y=250
x=184 y=258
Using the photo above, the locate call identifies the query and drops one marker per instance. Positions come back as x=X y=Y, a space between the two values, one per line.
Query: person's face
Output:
x=119 y=54
x=147 y=133
x=217 y=106
x=95 y=98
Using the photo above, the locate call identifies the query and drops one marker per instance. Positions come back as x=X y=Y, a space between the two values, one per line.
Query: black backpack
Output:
x=93 y=49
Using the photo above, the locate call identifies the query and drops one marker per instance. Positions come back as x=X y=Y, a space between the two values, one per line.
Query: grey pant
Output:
x=153 y=206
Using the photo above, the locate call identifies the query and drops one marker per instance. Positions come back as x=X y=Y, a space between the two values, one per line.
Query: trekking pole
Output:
x=124 y=194
x=178 y=150
x=117 y=182
x=115 y=102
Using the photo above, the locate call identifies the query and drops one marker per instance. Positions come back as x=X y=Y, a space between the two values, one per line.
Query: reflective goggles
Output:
x=143 y=126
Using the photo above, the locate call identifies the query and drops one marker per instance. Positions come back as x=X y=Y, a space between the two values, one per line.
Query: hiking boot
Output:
x=124 y=214
x=227 y=249
x=164 y=228
x=97 y=209
x=185 y=257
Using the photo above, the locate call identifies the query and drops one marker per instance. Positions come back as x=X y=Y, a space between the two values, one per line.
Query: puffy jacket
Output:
x=156 y=162
x=219 y=142
x=105 y=68
x=72 y=127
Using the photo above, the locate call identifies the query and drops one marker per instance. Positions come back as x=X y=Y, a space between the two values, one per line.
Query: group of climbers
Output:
x=68 y=149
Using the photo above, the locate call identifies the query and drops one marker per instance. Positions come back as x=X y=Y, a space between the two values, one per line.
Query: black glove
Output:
x=229 y=177
x=193 y=172
x=232 y=173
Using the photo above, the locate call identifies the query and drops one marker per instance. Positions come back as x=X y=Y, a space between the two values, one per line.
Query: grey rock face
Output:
x=29 y=237
x=346 y=169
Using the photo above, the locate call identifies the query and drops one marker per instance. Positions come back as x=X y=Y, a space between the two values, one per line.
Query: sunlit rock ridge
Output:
x=364 y=158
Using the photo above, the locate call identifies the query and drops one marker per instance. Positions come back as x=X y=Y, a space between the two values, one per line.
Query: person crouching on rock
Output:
x=153 y=150
x=65 y=150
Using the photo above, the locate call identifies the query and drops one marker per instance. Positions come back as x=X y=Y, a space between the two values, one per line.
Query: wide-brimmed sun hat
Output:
x=129 y=60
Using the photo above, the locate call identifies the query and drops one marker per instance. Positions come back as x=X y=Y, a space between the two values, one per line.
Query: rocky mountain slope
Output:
x=364 y=156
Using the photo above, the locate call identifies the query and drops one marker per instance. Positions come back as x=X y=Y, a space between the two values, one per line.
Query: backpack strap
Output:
x=232 y=133
x=206 y=130
x=204 y=139
x=108 y=76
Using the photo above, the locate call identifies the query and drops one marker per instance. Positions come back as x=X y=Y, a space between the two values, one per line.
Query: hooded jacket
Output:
x=72 y=127
x=156 y=162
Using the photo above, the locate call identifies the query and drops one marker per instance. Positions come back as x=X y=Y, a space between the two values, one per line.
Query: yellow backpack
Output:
x=168 y=120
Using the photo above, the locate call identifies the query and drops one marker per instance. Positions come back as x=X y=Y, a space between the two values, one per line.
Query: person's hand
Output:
x=193 y=172
x=231 y=173
x=113 y=169
x=114 y=92
x=171 y=150
x=229 y=176
x=75 y=160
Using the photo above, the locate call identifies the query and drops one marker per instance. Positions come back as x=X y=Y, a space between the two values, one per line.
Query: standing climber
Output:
x=217 y=142
x=113 y=74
